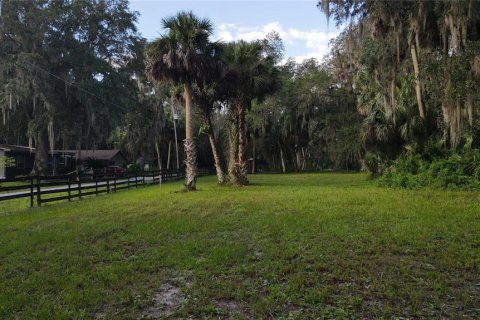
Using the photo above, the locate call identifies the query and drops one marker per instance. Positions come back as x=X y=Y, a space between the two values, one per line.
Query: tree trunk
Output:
x=392 y=97
x=191 y=171
x=446 y=120
x=141 y=160
x=168 y=156
x=176 y=144
x=418 y=89
x=51 y=144
x=304 y=164
x=299 y=161
x=240 y=170
x=233 y=145
x=40 y=167
x=283 y=161
x=253 y=154
x=458 y=124
x=469 y=105
x=159 y=159
x=217 y=155
x=397 y=40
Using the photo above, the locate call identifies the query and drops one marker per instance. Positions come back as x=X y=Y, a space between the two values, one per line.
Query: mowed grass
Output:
x=289 y=246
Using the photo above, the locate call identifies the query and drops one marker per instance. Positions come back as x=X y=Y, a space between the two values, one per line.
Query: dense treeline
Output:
x=415 y=66
x=308 y=124
x=65 y=72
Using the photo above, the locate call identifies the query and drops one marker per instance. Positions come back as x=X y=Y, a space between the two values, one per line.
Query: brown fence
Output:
x=56 y=188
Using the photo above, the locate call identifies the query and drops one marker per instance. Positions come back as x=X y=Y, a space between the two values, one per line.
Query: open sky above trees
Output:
x=306 y=33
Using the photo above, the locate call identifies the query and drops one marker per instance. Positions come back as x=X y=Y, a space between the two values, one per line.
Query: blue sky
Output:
x=301 y=25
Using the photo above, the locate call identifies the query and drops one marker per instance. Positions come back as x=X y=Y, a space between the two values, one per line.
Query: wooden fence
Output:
x=56 y=188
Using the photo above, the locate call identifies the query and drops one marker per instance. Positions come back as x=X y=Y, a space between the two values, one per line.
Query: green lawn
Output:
x=289 y=246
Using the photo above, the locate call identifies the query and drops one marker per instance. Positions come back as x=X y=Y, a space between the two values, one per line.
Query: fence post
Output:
x=39 y=195
x=31 y=192
x=143 y=178
x=108 y=184
x=136 y=181
x=114 y=182
x=96 y=185
x=128 y=180
x=79 y=182
x=69 y=189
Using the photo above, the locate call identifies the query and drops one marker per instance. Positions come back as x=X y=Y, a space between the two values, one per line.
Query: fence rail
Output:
x=77 y=186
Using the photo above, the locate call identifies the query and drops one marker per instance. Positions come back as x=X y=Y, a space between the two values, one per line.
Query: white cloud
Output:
x=313 y=43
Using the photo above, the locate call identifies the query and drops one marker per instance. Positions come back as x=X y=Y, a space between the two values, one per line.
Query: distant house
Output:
x=63 y=161
x=107 y=157
x=23 y=160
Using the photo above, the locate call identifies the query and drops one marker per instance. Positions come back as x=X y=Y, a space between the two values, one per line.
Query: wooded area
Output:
x=396 y=96
x=415 y=69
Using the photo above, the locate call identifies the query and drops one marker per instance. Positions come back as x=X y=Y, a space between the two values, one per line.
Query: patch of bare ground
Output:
x=165 y=301
x=229 y=307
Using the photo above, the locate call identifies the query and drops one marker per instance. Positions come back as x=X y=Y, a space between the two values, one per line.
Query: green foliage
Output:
x=373 y=164
x=415 y=67
x=132 y=168
x=450 y=171
x=182 y=54
x=67 y=66
x=7 y=162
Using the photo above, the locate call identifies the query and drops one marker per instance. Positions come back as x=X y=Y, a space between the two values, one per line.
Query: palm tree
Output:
x=250 y=74
x=181 y=56
x=207 y=98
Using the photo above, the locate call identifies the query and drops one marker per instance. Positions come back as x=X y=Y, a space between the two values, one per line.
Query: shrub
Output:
x=449 y=171
x=7 y=162
x=132 y=168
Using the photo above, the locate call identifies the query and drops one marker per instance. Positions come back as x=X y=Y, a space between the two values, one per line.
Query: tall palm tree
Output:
x=209 y=93
x=181 y=56
x=250 y=74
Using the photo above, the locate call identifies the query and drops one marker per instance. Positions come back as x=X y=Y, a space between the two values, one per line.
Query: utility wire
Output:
x=64 y=81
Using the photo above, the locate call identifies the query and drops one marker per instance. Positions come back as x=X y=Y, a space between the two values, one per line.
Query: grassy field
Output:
x=287 y=247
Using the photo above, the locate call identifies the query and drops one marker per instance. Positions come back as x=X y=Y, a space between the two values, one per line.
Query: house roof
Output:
x=96 y=154
x=84 y=154
x=14 y=148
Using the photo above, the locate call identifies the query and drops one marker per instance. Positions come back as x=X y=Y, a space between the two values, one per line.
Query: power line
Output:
x=64 y=81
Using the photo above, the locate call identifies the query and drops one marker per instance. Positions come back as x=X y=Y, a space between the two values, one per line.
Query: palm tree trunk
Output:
x=191 y=171
x=176 y=144
x=233 y=146
x=240 y=171
x=217 y=155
